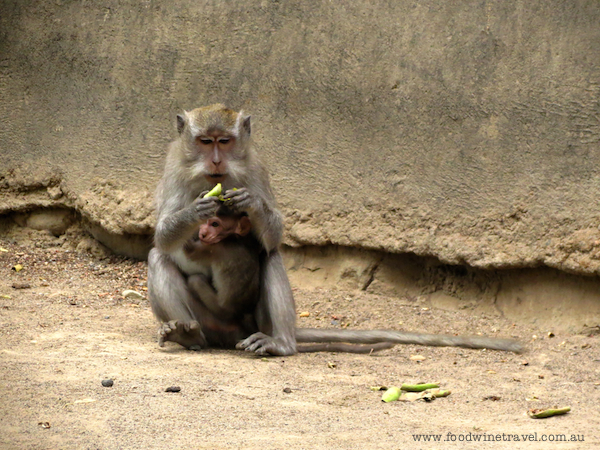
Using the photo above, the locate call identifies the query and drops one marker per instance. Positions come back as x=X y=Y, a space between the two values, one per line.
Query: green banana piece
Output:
x=214 y=192
x=391 y=395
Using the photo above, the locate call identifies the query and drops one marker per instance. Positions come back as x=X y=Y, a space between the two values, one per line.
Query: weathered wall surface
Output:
x=466 y=131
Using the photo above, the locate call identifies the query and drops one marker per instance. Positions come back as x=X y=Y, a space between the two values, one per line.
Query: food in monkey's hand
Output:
x=214 y=192
x=217 y=191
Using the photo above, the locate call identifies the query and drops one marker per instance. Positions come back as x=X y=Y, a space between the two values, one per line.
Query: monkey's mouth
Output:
x=217 y=175
x=209 y=241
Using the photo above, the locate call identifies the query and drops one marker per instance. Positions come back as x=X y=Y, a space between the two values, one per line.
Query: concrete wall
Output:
x=469 y=131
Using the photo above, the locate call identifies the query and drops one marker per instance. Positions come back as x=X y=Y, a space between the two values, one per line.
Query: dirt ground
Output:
x=65 y=327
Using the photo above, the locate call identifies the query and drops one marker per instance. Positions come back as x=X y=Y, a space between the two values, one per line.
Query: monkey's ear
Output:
x=244 y=226
x=246 y=125
x=180 y=123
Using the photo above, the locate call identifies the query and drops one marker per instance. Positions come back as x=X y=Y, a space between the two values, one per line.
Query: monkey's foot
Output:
x=189 y=335
x=264 y=345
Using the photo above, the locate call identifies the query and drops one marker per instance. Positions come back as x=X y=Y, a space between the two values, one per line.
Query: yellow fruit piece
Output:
x=214 y=192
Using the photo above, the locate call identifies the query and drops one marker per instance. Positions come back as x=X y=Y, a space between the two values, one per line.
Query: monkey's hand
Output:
x=266 y=220
x=239 y=199
x=264 y=345
x=206 y=208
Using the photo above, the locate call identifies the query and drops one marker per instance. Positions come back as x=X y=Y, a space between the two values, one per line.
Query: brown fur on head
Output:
x=210 y=118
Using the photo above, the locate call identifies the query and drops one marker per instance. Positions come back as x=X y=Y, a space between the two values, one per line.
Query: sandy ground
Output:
x=65 y=327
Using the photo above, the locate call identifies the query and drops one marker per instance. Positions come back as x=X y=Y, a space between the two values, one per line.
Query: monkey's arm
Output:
x=172 y=303
x=267 y=222
x=175 y=227
x=275 y=312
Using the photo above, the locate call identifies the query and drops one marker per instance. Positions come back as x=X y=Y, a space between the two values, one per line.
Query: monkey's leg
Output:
x=275 y=312
x=199 y=285
x=172 y=303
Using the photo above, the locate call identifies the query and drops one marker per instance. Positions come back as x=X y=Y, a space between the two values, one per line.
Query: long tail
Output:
x=341 y=347
x=401 y=337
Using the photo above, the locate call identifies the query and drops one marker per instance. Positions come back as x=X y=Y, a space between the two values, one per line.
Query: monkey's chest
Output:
x=191 y=266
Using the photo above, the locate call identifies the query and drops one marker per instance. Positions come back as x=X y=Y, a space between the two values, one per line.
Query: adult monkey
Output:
x=214 y=147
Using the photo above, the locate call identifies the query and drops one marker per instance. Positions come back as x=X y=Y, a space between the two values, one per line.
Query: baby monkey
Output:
x=227 y=262
x=227 y=281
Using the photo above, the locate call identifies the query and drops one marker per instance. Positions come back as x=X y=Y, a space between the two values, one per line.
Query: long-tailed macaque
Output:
x=214 y=147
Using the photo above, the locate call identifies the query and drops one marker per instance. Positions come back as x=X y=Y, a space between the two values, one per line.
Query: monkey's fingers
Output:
x=164 y=331
x=264 y=345
x=167 y=327
x=161 y=341
x=206 y=207
x=193 y=325
x=253 y=342
x=230 y=193
x=240 y=199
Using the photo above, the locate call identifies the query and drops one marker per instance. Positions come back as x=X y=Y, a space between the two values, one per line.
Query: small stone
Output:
x=173 y=389
x=54 y=192
x=287 y=390
x=132 y=295
x=108 y=382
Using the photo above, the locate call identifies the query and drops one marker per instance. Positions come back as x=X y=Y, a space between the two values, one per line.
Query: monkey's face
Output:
x=216 y=149
x=217 y=228
x=215 y=141
x=213 y=231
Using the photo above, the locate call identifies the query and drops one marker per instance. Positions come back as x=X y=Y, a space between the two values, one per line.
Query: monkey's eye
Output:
x=214 y=224
x=206 y=140
x=224 y=140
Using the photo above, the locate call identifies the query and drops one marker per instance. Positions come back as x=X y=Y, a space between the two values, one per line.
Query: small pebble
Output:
x=173 y=389
x=132 y=295
x=287 y=390
x=107 y=383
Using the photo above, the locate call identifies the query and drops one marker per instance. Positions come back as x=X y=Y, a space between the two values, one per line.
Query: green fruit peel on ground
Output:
x=537 y=414
x=391 y=395
x=419 y=387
